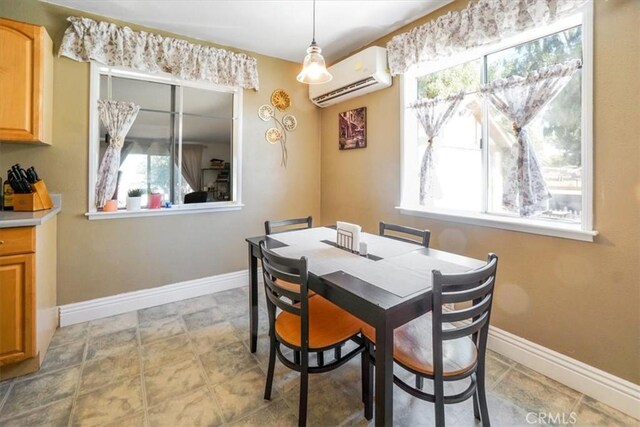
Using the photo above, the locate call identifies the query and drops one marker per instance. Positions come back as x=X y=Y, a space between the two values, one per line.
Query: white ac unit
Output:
x=359 y=74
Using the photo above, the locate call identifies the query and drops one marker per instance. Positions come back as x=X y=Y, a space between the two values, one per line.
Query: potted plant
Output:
x=134 y=199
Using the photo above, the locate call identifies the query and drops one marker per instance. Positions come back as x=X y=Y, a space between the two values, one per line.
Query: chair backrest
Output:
x=291 y=270
x=196 y=197
x=269 y=226
x=423 y=235
x=475 y=287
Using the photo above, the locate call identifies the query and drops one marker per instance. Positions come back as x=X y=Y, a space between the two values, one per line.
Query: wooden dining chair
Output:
x=423 y=235
x=446 y=345
x=311 y=325
x=271 y=225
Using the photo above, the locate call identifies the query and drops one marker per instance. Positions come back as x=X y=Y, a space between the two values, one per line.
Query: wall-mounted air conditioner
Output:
x=362 y=73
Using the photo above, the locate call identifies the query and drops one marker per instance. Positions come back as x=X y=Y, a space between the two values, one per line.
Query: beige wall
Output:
x=580 y=299
x=101 y=258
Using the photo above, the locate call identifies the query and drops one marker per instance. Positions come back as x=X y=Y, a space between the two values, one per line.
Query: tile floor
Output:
x=188 y=364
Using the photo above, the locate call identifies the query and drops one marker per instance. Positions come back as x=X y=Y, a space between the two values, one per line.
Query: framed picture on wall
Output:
x=352 y=129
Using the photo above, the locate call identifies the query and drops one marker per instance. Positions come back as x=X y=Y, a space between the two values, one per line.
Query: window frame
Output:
x=96 y=70
x=409 y=137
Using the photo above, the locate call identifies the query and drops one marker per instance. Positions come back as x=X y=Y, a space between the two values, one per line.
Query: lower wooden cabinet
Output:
x=17 y=308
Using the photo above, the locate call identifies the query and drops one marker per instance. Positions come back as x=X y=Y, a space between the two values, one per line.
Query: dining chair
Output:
x=271 y=225
x=445 y=345
x=310 y=325
x=423 y=235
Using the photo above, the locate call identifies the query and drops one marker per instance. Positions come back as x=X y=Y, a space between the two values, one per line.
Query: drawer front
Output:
x=19 y=240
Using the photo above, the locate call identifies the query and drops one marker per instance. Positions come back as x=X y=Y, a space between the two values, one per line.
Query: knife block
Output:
x=37 y=201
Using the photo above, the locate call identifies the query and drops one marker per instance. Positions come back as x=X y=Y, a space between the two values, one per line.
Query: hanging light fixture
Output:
x=314 y=70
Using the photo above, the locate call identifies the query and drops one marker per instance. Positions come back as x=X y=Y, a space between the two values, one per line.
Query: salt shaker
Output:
x=363 y=249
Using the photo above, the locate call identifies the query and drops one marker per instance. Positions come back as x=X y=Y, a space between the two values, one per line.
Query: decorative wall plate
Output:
x=265 y=112
x=273 y=135
x=289 y=122
x=280 y=99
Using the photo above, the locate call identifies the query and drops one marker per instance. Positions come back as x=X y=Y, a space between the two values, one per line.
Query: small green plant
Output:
x=135 y=192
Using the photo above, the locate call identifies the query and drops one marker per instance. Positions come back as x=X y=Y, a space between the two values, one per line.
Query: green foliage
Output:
x=135 y=192
x=450 y=81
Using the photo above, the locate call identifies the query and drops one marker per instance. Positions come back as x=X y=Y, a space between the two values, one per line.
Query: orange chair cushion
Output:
x=328 y=325
x=413 y=347
x=293 y=287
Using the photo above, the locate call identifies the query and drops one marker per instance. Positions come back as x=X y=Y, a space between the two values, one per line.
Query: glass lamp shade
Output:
x=314 y=70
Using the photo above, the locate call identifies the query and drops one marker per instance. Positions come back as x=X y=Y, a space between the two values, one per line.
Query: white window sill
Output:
x=563 y=230
x=174 y=210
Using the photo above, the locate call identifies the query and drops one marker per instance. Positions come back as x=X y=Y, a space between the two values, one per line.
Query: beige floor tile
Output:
x=173 y=380
x=277 y=414
x=203 y=318
x=100 y=372
x=534 y=394
x=54 y=415
x=108 y=404
x=113 y=324
x=70 y=334
x=328 y=402
x=112 y=344
x=135 y=420
x=165 y=352
x=39 y=391
x=62 y=357
x=191 y=410
x=241 y=394
x=213 y=337
x=233 y=303
x=154 y=330
x=196 y=304
x=495 y=368
x=4 y=388
x=590 y=412
x=227 y=362
x=156 y=313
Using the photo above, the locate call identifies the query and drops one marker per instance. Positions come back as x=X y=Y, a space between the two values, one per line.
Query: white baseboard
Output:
x=609 y=389
x=117 y=304
x=616 y=392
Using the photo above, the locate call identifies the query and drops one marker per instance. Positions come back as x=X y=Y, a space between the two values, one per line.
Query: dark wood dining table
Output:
x=379 y=307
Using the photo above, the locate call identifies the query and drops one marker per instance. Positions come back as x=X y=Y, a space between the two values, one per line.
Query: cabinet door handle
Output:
x=1 y=242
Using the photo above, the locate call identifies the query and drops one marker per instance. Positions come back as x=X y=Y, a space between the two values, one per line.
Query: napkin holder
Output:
x=30 y=202
x=348 y=236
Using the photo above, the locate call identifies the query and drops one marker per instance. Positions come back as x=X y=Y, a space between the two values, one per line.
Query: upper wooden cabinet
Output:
x=26 y=83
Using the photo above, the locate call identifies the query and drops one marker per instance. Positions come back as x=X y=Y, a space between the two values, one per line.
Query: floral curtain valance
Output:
x=433 y=114
x=520 y=99
x=480 y=23
x=86 y=40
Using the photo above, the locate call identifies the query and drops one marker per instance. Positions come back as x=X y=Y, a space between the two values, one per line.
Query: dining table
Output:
x=387 y=288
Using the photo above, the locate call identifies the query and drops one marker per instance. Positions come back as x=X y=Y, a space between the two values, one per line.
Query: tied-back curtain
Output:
x=88 y=40
x=520 y=99
x=192 y=164
x=480 y=23
x=433 y=114
x=117 y=117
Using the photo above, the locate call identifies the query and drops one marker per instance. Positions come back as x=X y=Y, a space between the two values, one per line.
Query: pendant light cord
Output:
x=314 y=22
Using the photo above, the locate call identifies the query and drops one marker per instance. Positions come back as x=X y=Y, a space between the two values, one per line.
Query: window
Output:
x=184 y=143
x=469 y=153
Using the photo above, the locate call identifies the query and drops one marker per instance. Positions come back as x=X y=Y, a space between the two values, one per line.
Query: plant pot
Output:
x=155 y=201
x=133 y=203
x=110 y=206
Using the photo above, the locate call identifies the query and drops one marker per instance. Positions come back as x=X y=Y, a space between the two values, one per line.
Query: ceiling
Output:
x=279 y=28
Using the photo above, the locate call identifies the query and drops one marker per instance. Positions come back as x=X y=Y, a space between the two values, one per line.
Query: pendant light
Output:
x=314 y=70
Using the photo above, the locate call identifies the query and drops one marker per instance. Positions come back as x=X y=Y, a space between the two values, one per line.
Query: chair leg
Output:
x=271 y=369
x=482 y=397
x=438 y=388
x=320 y=356
x=337 y=352
x=476 y=407
x=419 y=382
x=304 y=389
x=367 y=381
x=296 y=357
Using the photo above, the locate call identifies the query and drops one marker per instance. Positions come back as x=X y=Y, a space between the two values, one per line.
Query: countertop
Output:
x=28 y=219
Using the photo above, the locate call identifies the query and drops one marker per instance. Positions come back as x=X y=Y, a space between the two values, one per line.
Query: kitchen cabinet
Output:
x=28 y=312
x=26 y=83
